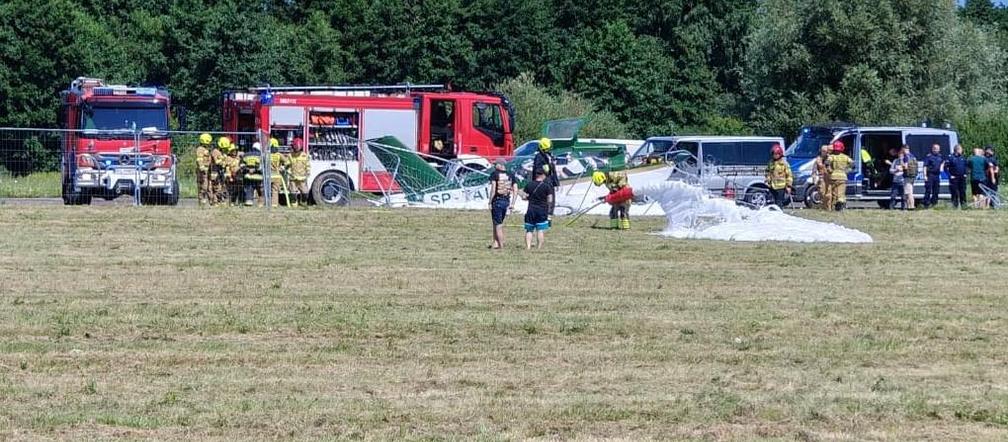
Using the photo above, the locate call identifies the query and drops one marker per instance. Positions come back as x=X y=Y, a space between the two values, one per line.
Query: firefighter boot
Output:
x=625 y=224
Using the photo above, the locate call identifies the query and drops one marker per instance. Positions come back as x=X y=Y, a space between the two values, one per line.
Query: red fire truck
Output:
x=117 y=143
x=465 y=127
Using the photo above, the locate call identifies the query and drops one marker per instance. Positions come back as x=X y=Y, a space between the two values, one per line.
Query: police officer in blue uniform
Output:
x=955 y=165
x=932 y=175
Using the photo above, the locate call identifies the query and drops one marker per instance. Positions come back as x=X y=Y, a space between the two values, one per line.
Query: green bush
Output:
x=536 y=104
x=979 y=129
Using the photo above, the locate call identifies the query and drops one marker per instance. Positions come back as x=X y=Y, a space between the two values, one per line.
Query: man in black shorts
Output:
x=539 y=194
x=502 y=192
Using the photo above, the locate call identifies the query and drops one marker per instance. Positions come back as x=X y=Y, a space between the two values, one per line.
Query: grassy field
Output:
x=47 y=185
x=398 y=324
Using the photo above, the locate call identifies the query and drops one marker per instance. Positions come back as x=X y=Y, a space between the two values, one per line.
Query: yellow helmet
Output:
x=545 y=144
x=223 y=142
x=598 y=178
x=274 y=142
x=205 y=139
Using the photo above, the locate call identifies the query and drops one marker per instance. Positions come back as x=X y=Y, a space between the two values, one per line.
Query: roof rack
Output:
x=406 y=87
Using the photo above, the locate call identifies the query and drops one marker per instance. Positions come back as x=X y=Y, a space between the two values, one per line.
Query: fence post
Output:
x=267 y=181
x=136 y=165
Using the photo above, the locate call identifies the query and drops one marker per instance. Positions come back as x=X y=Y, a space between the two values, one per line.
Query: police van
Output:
x=869 y=180
x=734 y=167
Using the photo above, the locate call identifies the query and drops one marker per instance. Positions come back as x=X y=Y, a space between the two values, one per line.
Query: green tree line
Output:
x=637 y=67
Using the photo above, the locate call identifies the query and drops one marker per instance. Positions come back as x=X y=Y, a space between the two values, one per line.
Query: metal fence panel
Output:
x=148 y=168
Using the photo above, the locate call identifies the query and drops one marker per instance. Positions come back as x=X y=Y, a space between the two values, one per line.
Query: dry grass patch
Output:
x=399 y=324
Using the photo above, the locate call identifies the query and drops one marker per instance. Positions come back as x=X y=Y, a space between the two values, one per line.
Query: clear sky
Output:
x=996 y=2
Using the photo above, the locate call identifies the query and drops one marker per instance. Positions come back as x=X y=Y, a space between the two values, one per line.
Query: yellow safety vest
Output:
x=779 y=175
x=277 y=165
x=616 y=181
x=253 y=168
x=839 y=165
x=202 y=159
x=300 y=167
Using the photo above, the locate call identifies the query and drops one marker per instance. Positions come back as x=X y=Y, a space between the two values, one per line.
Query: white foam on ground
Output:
x=693 y=214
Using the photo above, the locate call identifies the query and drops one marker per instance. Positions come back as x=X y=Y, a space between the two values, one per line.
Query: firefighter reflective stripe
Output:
x=251 y=164
x=616 y=181
x=217 y=164
x=779 y=175
x=232 y=168
x=839 y=165
x=202 y=159
x=300 y=167
x=278 y=163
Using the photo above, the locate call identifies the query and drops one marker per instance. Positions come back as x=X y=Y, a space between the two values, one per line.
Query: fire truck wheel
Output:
x=331 y=189
x=71 y=198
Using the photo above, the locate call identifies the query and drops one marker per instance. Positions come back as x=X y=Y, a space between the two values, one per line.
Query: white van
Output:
x=735 y=163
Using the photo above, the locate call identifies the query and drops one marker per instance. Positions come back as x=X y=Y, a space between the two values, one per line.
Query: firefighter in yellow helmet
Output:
x=203 y=168
x=779 y=177
x=218 y=164
x=619 y=214
x=300 y=168
x=278 y=167
x=252 y=176
x=838 y=166
x=232 y=176
x=545 y=162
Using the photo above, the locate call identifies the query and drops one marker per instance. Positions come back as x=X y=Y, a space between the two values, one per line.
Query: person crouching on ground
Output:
x=779 y=177
x=539 y=195
x=502 y=193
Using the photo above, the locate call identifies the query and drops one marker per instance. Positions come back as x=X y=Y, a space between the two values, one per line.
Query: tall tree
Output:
x=870 y=61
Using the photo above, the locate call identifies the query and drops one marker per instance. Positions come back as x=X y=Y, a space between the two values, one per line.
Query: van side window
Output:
x=756 y=153
x=689 y=146
x=721 y=153
x=920 y=145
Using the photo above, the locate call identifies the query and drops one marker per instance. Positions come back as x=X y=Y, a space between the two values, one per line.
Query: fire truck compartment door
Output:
x=287 y=116
x=378 y=123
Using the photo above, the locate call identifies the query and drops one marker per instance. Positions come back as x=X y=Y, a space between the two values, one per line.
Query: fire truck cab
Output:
x=335 y=121
x=116 y=143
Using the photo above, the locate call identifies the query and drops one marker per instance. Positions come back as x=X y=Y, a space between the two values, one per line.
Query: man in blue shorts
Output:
x=503 y=188
x=539 y=195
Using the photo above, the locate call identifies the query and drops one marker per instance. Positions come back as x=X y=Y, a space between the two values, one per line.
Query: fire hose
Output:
x=618 y=197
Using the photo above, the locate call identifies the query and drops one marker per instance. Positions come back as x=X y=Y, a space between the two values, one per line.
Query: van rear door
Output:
x=920 y=147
